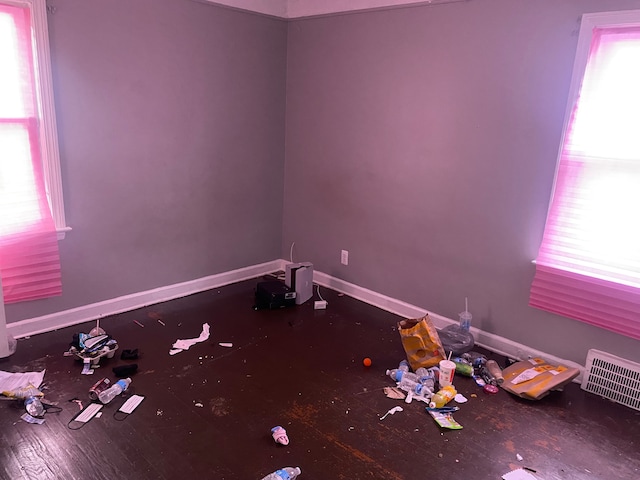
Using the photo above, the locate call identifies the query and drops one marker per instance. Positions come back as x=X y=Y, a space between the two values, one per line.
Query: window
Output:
x=31 y=209
x=16 y=59
x=588 y=265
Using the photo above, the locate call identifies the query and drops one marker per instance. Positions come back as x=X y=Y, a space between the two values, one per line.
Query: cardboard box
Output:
x=533 y=379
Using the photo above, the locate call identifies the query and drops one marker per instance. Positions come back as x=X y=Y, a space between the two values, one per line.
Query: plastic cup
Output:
x=465 y=320
x=447 y=370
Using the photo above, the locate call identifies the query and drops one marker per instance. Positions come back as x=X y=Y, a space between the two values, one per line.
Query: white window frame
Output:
x=588 y=23
x=604 y=292
x=46 y=111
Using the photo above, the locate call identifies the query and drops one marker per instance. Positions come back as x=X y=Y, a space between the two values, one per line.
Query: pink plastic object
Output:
x=279 y=434
x=491 y=389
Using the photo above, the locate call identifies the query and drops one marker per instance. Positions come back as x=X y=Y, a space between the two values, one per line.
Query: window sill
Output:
x=62 y=231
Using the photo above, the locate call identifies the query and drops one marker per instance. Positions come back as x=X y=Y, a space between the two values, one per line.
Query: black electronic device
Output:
x=274 y=294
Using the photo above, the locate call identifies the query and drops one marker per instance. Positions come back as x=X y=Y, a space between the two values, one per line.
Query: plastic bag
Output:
x=456 y=340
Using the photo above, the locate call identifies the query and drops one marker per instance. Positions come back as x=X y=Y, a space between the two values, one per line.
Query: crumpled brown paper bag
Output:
x=421 y=342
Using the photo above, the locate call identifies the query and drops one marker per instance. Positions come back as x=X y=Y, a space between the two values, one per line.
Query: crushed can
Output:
x=99 y=387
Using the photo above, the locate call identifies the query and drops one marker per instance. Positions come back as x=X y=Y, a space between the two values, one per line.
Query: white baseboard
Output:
x=86 y=313
x=74 y=316
x=490 y=341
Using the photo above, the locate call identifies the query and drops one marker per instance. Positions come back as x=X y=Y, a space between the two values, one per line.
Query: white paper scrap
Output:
x=519 y=474
x=460 y=398
x=526 y=376
x=14 y=381
x=181 y=345
x=226 y=344
x=86 y=369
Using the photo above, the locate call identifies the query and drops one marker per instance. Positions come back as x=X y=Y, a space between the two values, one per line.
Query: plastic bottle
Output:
x=495 y=371
x=444 y=396
x=285 y=473
x=424 y=391
x=397 y=375
x=476 y=359
x=404 y=366
x=114 y=390
x=426 y=378
x=408 y=384
x=487 y=376
x=34 y=407
x=464 y=368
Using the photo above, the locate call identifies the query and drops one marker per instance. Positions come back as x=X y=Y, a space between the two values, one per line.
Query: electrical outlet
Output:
x=344 y=257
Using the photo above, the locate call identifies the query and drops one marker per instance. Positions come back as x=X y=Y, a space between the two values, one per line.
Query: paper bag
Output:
x=421 y=342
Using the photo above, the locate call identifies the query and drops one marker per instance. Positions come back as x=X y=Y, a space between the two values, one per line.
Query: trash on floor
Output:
x=444 y=419
x=421 y=342
x=98 y=387
x=128 y=407
x=23 y=392
x=129 y=354
x=279 y=434
x=520 y=474
x=456 y=339
x=459 y=398
x=444 y=396
x=419 y=384
x=90 y=349
x=124 y=371
x=84 y=416
x=114 y=390
x=182 y=345
x=10 y=382
x=391 y=412
x=394 y=393
x=34 y=407
x=533 y=379
x=285 y=473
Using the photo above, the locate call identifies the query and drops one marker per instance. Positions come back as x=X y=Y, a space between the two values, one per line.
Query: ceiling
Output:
x=290 y=9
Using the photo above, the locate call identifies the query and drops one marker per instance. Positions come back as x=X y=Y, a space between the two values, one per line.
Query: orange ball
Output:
x=366 y=362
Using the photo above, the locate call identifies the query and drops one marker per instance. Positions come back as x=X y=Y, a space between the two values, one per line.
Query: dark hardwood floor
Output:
x=208 y=411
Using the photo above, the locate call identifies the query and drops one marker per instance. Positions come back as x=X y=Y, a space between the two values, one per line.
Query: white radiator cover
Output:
x=612 y=377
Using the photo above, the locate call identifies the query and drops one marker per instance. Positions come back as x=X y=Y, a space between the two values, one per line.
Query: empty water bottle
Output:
x=407 y=383
x=424 y=391
x=397 y=375
x=285 y=473
x=404 y=365
x=114 y=390
x=426 y=378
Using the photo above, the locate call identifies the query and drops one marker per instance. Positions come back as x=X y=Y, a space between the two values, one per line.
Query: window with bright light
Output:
x=27 y=120
x=588 y=266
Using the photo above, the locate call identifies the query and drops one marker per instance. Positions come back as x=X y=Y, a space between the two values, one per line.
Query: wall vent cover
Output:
x=612 y=377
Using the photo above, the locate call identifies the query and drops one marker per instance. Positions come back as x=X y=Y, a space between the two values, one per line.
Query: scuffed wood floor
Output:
x=209 y=410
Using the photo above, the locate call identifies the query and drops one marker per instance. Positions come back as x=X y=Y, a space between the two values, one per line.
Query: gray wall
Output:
x=171 y=128
x=424 y=141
